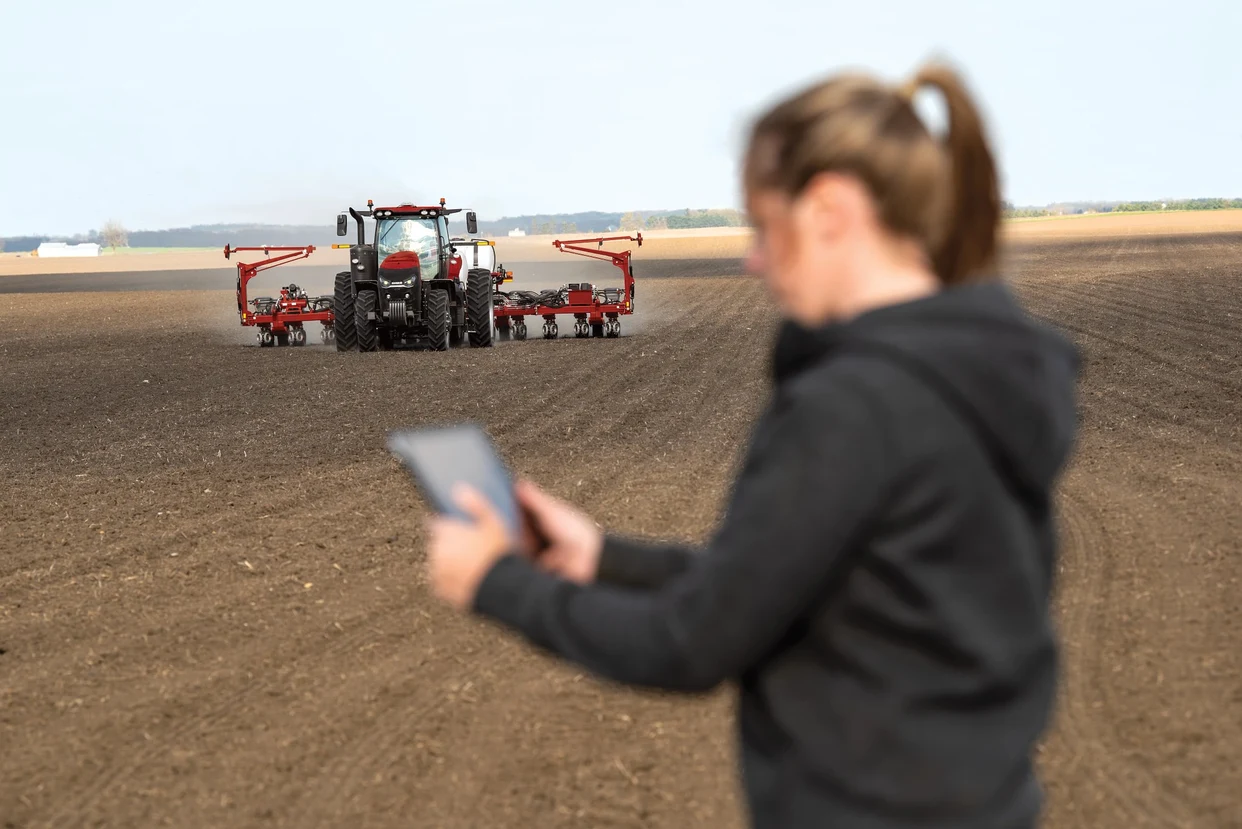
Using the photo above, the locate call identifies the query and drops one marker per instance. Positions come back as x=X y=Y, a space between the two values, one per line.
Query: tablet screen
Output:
x=440 y=457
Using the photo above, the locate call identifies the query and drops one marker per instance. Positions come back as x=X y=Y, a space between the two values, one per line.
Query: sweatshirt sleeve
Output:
x=808 y=490
x=634 y=563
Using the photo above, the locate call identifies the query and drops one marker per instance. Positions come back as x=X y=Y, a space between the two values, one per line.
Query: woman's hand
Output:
x=572 y=541
x=460 y=553
x=559 y=539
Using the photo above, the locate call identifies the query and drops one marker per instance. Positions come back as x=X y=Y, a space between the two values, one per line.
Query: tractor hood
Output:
x=400 y=268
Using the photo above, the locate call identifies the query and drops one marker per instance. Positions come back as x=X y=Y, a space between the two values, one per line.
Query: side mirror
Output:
x=342 y=224
x=472 y=223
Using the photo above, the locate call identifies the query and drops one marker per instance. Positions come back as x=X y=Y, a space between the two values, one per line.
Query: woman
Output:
x=879 y=587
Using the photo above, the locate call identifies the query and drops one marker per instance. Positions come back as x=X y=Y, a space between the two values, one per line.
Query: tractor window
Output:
x=418 y=235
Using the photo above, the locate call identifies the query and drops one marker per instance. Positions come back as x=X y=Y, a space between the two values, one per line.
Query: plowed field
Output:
x=213 y=610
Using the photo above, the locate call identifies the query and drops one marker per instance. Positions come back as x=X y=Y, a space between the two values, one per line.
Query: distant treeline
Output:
x=243 y=235
x=590 y=222
x=1078 y=208
x=1179 y=204
x=198 y=236
x=612 y=222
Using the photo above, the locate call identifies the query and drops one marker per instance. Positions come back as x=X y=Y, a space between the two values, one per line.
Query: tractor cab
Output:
x=406 y=228
x=425 y=237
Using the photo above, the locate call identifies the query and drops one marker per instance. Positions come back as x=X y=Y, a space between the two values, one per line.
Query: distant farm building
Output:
x=63 y=249
x=517 y=232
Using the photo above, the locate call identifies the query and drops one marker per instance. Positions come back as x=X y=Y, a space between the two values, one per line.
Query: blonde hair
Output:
x=941 y=192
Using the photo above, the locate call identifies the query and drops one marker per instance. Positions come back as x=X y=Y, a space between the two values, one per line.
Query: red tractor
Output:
x=406 y=289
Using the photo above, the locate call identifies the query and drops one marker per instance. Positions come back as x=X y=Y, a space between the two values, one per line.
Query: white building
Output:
x=63 y=249
x=517 y=232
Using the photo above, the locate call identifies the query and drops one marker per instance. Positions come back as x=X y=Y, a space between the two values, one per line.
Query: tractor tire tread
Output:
x=366 y=330
x=437 y=312
x=479 y=306
x=344 y=332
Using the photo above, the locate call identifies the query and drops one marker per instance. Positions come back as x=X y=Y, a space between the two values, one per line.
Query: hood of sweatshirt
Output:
x=1013 y=378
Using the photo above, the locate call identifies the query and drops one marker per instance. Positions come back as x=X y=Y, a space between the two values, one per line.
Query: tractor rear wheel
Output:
x=343 y=330
x=437 y=311
x=480 y=310
x=366 y=328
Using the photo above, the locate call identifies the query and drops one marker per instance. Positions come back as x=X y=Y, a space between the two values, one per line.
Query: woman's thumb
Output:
x=473 y=503
x=530 y=495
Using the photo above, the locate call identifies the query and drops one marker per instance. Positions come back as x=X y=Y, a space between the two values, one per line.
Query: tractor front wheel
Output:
x=365 y=324
x=438 y=322
x=343 y=330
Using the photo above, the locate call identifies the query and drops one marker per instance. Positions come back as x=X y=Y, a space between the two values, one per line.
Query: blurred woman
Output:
x=879 y=585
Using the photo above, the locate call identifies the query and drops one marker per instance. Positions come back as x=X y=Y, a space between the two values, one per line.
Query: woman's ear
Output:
x=831 y=205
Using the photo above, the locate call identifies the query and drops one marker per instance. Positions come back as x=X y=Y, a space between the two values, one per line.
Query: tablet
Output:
x=441 y=457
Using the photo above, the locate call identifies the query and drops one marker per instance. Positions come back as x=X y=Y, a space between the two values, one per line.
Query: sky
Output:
x=160 y=114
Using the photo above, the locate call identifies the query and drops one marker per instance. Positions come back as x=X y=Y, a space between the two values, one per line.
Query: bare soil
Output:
x=213 y=610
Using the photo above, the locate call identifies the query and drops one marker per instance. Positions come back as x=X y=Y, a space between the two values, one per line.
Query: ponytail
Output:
x=969 y=245
x=941 y=192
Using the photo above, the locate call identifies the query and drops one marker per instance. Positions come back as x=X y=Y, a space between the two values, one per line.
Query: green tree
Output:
x=706 y=218
x=657 y=222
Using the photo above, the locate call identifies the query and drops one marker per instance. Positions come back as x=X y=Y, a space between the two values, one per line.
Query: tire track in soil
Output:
x=1174 y=368
x=1110 y=306
x=1204 y=290
x=1112 y=330
x=1168 y=321
x=375 y=747
x=1085 y=603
